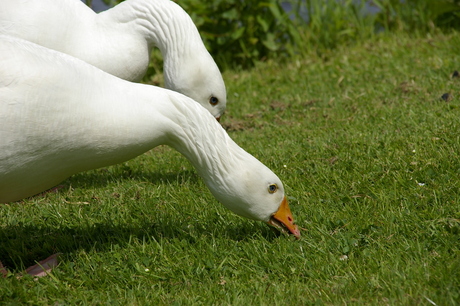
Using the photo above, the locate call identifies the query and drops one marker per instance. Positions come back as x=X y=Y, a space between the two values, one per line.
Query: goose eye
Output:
x=272 y=188
x=213 y=100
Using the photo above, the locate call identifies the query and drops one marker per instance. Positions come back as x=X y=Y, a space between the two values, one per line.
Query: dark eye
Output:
x=272 y=188
x=213 y=100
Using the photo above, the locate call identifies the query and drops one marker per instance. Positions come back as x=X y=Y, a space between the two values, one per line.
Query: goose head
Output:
x=255 y=192
x=201 y=80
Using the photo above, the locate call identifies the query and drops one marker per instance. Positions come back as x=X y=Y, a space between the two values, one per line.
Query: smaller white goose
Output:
x=60 y=116
x=119 y=41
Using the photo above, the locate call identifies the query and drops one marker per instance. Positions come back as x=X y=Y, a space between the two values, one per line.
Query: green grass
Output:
x=368 y=152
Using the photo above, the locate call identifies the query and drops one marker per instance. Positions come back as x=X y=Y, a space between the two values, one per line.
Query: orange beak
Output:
x=283 y=220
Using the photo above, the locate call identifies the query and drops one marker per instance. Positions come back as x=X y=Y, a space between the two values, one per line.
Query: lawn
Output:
x=368 y=151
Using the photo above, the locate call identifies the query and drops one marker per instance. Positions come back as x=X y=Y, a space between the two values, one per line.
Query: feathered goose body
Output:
x=60 y=116
x=120 y=39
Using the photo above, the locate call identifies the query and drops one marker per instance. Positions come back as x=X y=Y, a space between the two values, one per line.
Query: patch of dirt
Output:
x=408 y=87
x=231 y=124
x=278 y=106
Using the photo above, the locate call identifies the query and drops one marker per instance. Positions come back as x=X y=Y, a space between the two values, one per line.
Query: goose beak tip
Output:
x=284 y=221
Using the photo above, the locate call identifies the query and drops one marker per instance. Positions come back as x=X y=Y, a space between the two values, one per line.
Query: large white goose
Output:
x=60 y=116
x=120 y=39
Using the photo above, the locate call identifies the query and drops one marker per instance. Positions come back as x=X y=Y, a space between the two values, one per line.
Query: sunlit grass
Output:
x=369 y=154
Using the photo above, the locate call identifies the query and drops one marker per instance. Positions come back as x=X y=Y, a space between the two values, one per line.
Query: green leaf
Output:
x=270 y=43
x=274 y=8
x=263 y=23
x=238 y=33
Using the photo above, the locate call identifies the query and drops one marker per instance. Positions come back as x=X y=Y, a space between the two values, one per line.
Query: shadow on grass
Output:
x=104 y=177
x=23 y=245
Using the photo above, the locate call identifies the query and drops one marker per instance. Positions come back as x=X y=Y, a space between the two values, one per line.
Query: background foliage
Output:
x=238 y=32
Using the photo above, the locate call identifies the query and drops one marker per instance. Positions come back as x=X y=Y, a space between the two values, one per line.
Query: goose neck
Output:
x=163 y=23
x=200 y=138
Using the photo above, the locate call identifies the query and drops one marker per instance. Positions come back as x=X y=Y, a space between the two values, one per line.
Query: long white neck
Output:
x=205 y=143
x=165 y=25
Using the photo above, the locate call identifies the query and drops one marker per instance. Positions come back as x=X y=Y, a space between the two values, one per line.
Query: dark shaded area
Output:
x=22 y=245
x=103 y=177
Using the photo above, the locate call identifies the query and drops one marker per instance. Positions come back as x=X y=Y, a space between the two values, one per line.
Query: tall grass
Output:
x=333 y=23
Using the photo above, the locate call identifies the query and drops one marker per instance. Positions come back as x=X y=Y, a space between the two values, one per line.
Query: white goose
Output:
x=120 y=39
x=60 y=116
